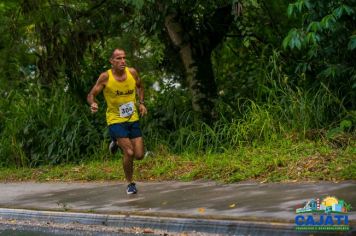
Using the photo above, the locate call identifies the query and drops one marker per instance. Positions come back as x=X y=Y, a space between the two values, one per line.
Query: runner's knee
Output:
x=139 y=156
x=129 y=152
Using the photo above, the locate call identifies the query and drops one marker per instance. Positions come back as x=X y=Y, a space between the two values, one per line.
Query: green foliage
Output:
x=352 y=43
x=286 y=110
x=41 y=130
x=326 y=40
x=240 y=61
x=276 y=76
x=294 y=39
x=345 y=124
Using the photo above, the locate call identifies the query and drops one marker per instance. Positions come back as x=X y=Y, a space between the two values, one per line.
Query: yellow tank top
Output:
x=120 y=97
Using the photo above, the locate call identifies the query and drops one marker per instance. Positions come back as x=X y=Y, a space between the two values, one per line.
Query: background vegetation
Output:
x=236 y=90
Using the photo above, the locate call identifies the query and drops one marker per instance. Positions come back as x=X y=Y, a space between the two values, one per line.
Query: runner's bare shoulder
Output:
x=133 y=71
x=103 y=78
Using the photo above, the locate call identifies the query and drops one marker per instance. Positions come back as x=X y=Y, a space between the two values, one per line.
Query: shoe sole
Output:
x=129 y=193
x=113 y=149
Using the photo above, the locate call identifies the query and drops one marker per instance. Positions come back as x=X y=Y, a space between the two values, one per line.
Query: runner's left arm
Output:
x=140 y=92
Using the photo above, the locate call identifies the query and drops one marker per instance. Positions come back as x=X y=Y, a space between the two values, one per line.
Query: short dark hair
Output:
x=118 y=49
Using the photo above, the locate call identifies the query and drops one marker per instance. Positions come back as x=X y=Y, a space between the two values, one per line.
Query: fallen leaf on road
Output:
x=148 y=231
x=201 y=210
x=232 y=205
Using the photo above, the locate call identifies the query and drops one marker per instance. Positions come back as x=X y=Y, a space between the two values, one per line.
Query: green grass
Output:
x=283 y=161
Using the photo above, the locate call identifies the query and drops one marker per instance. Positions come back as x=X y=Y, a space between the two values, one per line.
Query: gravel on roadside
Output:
x=52 y=228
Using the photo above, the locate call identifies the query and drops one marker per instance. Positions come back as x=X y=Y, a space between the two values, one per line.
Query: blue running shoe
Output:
x=131 y=188
x=113 y=147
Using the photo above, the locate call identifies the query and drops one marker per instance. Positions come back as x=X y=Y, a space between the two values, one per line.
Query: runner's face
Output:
x=118 y=60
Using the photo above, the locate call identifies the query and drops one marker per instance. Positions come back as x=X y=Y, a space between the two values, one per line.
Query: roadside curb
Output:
x=169 y=224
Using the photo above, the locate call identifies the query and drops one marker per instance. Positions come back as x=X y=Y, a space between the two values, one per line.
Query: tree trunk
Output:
x=198 y=69
x=195 y=50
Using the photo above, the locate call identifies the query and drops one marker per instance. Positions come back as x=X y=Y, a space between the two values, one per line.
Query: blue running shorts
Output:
x=125 y=130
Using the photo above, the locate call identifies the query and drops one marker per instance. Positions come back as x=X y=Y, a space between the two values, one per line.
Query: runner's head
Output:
x=118 y=59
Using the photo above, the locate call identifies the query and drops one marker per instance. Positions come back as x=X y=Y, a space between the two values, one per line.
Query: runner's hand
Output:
x=142 y=109
x=94 y=107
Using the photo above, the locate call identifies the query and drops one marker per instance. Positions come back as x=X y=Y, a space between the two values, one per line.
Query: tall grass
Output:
x=45 y=127
x=39 y=126
x=281 y=109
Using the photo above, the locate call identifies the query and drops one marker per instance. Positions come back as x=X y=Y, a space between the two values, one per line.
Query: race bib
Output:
x=126 y=109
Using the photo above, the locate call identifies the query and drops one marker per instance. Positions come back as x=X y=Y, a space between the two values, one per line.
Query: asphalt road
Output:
x=172 y=207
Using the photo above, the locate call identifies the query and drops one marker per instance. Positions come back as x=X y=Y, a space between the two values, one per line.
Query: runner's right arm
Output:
x=97 y=88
